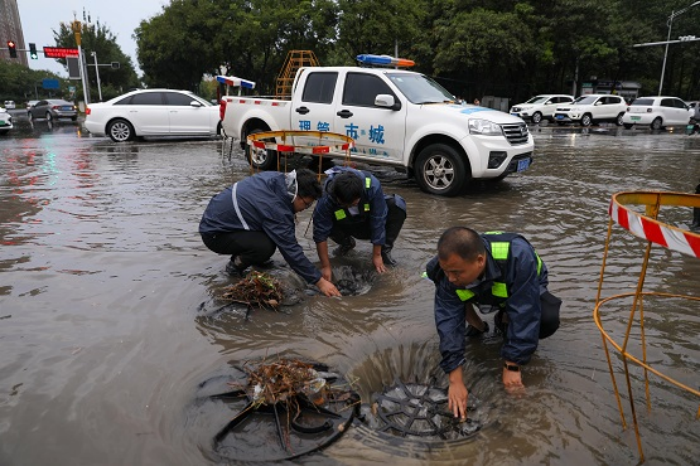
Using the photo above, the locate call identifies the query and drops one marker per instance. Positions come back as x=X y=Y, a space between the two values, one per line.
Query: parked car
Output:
x=153 y=112
x=657 y=112
x=539 y=107
x=592 y=108
x=9 y=105
x=5 y=121
x=52 y=109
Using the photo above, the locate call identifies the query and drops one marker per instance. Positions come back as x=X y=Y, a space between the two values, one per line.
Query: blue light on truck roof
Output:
x=236 y=82
x=385 y=60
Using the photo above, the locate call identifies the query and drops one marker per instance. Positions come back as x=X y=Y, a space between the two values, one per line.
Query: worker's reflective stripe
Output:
x=237 y=209
x=499 y=290
x=340 y=214
x=366 y=207
x=368 y=182
x=499 y=250
x=465 y=295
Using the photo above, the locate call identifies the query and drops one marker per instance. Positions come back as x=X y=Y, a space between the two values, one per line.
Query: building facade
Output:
x=11 y=29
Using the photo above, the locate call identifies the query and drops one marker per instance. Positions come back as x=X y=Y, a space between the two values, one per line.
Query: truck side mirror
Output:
x=387 y=101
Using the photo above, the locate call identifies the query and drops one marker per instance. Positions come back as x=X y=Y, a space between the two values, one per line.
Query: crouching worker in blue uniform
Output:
x=252 y=218
x=500 y=270
x=354 y=206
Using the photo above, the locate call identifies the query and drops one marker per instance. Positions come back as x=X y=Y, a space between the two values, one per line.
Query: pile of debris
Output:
x=283 y=381
x=257 y=289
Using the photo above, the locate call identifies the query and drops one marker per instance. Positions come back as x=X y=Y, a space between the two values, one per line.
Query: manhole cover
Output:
x=418 y=410
x=277 y=410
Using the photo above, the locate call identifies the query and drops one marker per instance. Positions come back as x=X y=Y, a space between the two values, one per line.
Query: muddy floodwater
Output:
x=108 y=320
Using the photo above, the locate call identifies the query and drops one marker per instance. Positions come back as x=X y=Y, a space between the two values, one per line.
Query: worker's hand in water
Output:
x=327 y=288
x=378 y=263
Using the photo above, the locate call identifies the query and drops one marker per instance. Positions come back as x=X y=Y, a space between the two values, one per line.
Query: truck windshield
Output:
x=420 y=89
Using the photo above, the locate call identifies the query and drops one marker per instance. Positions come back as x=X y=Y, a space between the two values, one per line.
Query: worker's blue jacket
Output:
x=372 y=205
x=264 y=205
x=513 y=283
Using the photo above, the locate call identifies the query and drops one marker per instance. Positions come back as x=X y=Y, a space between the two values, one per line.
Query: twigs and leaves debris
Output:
x=290 y=387
x=256 y=290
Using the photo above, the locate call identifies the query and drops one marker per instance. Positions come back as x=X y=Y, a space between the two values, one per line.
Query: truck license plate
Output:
x=560 y=117
x=523 y=164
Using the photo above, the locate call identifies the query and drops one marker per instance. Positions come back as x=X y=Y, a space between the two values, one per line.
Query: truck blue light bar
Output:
x=384 y=60
x=236 y=82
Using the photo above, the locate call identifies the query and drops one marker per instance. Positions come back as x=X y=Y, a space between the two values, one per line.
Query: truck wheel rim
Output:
x=439 y=173
x=259 y=156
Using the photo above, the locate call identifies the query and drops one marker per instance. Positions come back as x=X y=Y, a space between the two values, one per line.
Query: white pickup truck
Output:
x=396 y=117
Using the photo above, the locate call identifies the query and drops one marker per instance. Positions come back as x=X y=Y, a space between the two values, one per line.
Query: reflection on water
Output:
x=103 y=341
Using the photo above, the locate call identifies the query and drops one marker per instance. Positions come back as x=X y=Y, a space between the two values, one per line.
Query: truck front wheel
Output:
x=261 y=159
x=440 y=170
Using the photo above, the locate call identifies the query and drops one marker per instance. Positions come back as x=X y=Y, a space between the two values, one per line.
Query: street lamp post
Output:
x=668 y=38
x=97 y=73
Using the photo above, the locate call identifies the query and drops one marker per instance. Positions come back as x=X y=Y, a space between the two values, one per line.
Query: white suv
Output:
x=540 y=106
x=591 y=108
x=657 y=112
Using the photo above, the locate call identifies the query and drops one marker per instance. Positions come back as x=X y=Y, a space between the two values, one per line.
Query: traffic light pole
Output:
x=77 y=30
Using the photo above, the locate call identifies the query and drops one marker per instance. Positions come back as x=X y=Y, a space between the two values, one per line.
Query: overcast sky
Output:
x=41 y=17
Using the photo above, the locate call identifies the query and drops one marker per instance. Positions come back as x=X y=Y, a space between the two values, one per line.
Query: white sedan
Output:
x=656 y=112
x=153 y=112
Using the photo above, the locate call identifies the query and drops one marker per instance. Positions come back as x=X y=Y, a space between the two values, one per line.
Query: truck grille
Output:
x=516 y=134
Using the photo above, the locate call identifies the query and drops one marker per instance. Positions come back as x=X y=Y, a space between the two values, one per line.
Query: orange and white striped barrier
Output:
x=313 y=142
x=648 y=227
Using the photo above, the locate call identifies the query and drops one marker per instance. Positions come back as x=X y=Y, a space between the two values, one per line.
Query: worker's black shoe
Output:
x=387 y=259
x=235 y=268
x=345 y=247
x=475 y=332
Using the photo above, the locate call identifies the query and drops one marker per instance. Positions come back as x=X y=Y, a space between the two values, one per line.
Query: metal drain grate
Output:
x=418 y=410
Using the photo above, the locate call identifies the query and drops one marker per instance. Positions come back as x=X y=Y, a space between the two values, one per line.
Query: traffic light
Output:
x=32 y=52
x=12 y=48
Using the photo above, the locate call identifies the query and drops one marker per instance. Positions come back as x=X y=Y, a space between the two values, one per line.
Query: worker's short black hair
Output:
x=346 y=188
x=463 y=241
x=308 y=184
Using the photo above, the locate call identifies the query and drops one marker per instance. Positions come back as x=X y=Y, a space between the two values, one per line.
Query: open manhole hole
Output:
x=273 y=411
x=353 y=281
x=414 y=410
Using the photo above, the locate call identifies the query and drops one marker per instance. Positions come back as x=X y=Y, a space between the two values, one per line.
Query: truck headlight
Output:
x=484 y=127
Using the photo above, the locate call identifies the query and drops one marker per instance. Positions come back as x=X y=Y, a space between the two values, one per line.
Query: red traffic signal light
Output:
x=12 y=48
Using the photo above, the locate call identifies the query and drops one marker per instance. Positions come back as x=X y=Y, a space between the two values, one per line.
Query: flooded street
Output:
x=107 y=296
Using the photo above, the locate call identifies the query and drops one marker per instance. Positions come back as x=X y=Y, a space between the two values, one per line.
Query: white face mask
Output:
x=291 y=183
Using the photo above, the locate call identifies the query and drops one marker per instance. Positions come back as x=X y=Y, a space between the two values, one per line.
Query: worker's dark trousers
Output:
x=361 y=229
x=252 y=247
x=550 y=306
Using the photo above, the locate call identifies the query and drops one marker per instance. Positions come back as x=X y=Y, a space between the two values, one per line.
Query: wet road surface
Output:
x=103 y=282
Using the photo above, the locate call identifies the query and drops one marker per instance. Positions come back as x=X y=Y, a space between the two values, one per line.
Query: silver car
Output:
x=53 y=109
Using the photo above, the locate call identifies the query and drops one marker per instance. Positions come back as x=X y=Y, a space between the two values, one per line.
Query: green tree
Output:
x=99 y=39
x=378 y=26
x=249 y=39
x=20 y=83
